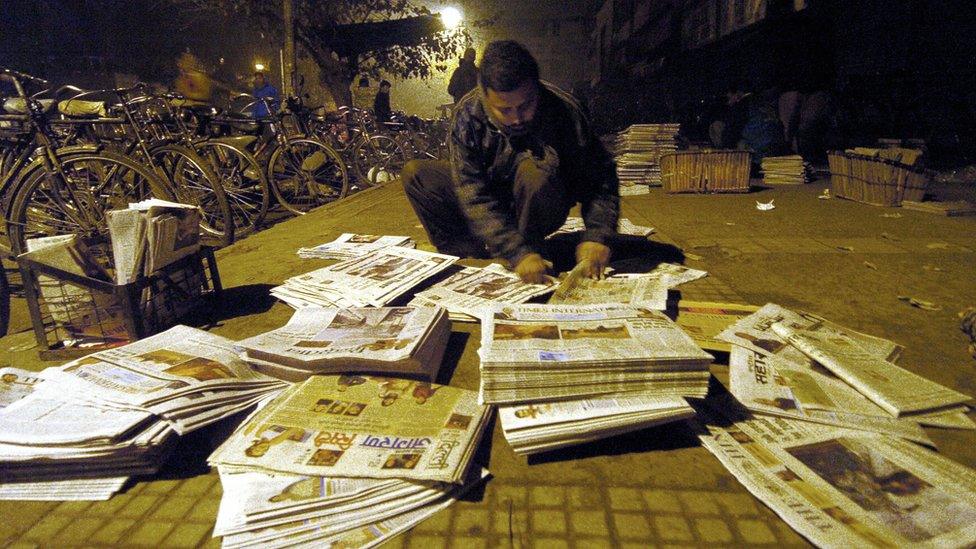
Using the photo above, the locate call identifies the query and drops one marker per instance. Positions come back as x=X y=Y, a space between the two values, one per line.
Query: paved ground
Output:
x=658 y=487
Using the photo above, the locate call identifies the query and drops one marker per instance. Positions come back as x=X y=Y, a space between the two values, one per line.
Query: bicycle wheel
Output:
x=245 y=184
x=194 y=182
x=306 y=173
x=378 y=159
x=94 y=183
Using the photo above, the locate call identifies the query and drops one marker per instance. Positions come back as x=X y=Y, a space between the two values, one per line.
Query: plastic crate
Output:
x=875 y=180
x=66 y=307
x=720 y=171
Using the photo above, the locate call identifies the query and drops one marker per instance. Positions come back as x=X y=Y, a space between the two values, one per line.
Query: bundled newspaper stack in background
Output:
x=371 y=280
x=638 y=152
x=117 y=413
x=350 y=245
x=404 y=341
x=625 y=226
x=605 y=369
x=347 y=457
x=467 y=293
x=644 y=289
x=784 y=170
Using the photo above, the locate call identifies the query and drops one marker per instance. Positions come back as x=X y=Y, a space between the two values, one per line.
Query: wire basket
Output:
x=722 y=171
x=73 y=315
x=875 y=180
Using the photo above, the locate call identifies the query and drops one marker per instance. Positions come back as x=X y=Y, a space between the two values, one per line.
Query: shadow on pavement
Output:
x=233 y=302
x=628 y=254
x=452 y=357
x=669 y=436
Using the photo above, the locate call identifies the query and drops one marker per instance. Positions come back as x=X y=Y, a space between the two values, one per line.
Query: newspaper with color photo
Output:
x=472 y=290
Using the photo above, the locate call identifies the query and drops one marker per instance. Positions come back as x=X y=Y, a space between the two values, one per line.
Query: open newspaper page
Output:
x=646 y=290
x=842 y=488
x=704 y=320
x=770 y=385
x=15 y=384
x=472 y=290
x=56 y=420
x=625 y=226
x=349 y=245
x=361 y=426
x=374 y=279
x=583 y=333
x=95 y=489
x=895 y=389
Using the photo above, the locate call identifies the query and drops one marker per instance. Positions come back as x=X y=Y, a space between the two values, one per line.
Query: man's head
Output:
x=385 y=86
x=509 y=78
x=259 y=79
x=469 y=55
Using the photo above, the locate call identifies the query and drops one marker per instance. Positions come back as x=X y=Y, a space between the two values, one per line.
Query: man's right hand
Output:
x=532 y=269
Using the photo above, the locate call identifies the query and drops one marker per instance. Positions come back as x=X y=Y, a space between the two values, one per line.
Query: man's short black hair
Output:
x=506 y=65
x=259 y=73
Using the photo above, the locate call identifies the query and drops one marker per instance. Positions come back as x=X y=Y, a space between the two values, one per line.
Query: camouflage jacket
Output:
x=483 y=161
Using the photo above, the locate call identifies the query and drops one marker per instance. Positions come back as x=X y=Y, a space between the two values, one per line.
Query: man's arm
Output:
x=601 y=204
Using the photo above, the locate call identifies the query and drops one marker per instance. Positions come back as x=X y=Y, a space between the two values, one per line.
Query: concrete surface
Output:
x=656 y=487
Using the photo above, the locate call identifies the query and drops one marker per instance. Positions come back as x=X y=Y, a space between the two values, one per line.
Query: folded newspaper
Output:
x=704 y=320
x=150 y=235
x=372 y=280
x=361 y=426
x=350 y=245
x=843 y=488
x=469 y=292
x=644 y=290
x=386 y=340
x=575 y=224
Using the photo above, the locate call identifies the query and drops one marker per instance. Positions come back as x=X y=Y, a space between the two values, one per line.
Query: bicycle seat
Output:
x=17 y=105
x=82 y=108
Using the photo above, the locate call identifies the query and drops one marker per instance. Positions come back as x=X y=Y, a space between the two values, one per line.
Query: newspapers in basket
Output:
x=541 y=427
x=644 y=290
x=467 y=293
x=385 y=340
x=553 y=352
x=150 y=235
x=372 y=280
x=270 y=510
x=361 y=426
x=350 y=245
x=843 y=488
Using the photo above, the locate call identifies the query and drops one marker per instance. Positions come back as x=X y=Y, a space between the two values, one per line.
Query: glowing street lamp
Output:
x=258 y=67
x=451 y=17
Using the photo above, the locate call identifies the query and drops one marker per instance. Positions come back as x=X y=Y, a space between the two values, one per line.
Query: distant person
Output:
x=362 y=94
x=465 y=77
x=264 y=90
x=193 y=82
x=751 y=123
x=381 y=104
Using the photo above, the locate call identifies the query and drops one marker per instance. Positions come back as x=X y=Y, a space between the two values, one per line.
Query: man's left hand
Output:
x=594 y=256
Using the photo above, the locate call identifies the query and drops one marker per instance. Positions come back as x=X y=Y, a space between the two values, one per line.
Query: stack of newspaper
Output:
x=350 y=245
x=612 y=369
x=347 y=458
x=845 y=488
x=801 y=366
x=150 y=235
x=625 y=226
x=386 y=340
x=467 y=293
x=638 y=152
x=644 y=290
x=117 y=412
x=784 y=170
x=372 y=280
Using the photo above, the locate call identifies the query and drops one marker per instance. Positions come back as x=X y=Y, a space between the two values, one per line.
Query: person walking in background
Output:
x=264 y=90
x=465 y=77
x=381 y=104
x=193 y=83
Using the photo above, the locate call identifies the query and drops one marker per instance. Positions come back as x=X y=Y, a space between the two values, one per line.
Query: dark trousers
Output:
x=539 y=204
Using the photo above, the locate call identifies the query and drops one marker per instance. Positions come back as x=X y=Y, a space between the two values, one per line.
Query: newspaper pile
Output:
x=385 y=340
x=704 y=320
x=613 y=369
x=151 y=235
x=832 y=372
x=372 y=280
x=625 y=226
x=645 y=289
x=638 y=151
x=97 y=420
x=785 y=170
x=467 y=293
x=844 y=488
x=351 y=245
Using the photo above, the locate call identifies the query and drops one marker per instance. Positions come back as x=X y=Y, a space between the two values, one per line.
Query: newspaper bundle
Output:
x=625 y=226
x=404 y=341
x=372 y=280
x=541 y=427
x=278 y=510
x=351 y=245
x=842 y=488
x=469 y=292
x=644 y=290
x=704 y=320
x=361 y=426
x=638 y=151
x=150 y=235
x=784 y=170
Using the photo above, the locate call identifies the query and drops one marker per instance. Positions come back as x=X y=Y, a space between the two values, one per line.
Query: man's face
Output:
x=514 y=109
x=258 y=80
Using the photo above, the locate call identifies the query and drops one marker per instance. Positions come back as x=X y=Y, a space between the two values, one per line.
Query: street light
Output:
x=258 y=67
x=451 y=17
